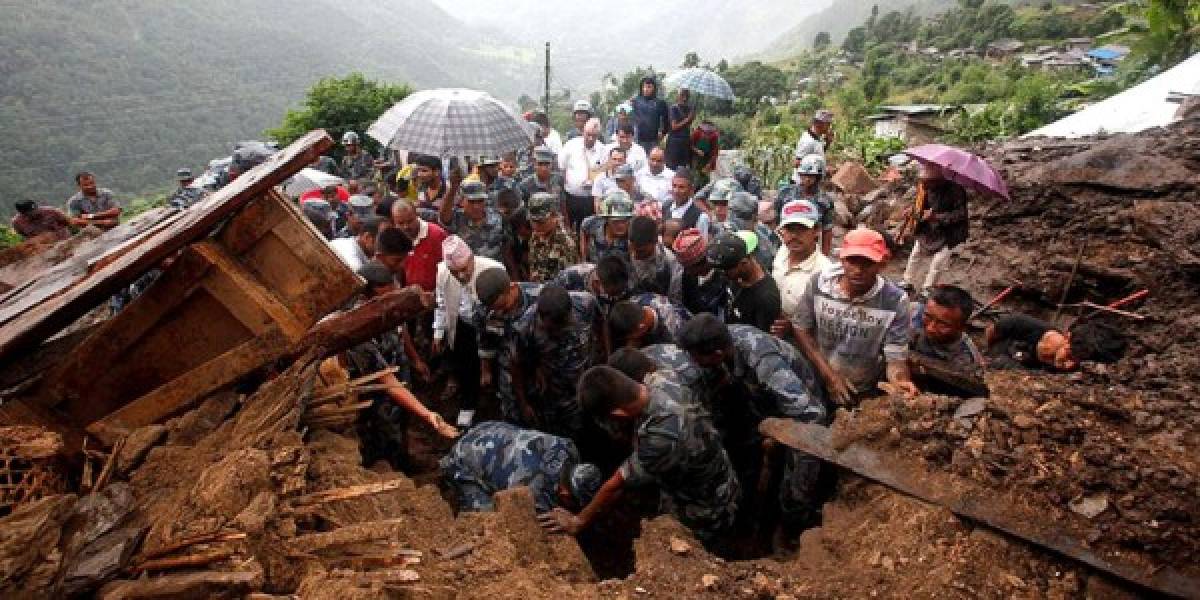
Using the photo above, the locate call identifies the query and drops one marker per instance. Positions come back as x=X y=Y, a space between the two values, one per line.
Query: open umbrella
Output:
x=962 y=167
x=310 y=179
x=700 y=81
x=451 y=122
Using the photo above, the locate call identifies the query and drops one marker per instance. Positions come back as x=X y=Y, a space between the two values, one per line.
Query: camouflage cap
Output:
x=543 y=154
x=723 y=189
x=474 y=190
x=542 y=206
x=375 y=273
x=584 y=483
x=623 y=172
x=184 y=174
x=617 y=205
x=744 y=205
x=489 y=160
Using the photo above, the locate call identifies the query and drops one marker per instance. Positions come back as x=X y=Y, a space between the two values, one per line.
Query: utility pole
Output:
x=546 y=98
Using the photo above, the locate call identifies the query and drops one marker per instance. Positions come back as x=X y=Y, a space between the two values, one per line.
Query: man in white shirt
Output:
x=655 y=179
x=635 y=155
x=581 y=161
x=453 y=317
x=607 y=182
x=818 y=137
x=798 y=258
x=358 y=250
x=550 y=138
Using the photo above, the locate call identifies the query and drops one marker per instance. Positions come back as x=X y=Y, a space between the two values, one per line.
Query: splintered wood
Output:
x=28 y=466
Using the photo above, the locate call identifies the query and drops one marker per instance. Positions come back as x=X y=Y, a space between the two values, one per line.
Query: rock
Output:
x=97 y=514
x=1025 y=422
x=679 y=546
x=970 y=408
x=853 y=178
x=1089 y=506
x=709 y=581
x=29 y=543
x=226 y=487
x=137 y=445
x=101 y=560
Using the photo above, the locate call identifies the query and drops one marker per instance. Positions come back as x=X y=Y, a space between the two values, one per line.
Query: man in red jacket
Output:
x=421 y=266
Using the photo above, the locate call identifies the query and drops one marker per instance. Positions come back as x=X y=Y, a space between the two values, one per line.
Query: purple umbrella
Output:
x=962 y=168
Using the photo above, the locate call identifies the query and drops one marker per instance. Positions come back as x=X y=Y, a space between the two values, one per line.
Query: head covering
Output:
x=474 y=189
x=625 y=107
x=375 y=273
x=184 y=174
x=623 y=172
x=750 y=239
x=617 y=205
x=456 y=252
x=824 y=116
x=811 y=164
x=582 y=106
x=726 y=251
x=866 y=243
x=349 y=138
x=799 y=211
x=722 y=190
x=25 y=206
x=743 y=205
x=490 y=284
x=489 y=160
x=689 y=247
x=584 y=483
x=543 y=154
x=542 y=205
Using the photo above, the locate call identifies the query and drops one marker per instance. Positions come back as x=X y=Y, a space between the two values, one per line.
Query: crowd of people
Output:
x=611 y=320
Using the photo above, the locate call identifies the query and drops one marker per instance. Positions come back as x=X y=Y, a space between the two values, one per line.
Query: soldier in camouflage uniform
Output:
x=675 y=448
x=646 y=319
x=551 y=248
x=495 y=456
x=185 y=195
x=608 y=280
x=654 y=268
x=489 y=174
x=806 y=185
x=357 y=163
x=770 y=378
x=607 y=233
x=503 y=302
x=383 y=427
x=481 y=227
x=555 y=343
x=544 y=179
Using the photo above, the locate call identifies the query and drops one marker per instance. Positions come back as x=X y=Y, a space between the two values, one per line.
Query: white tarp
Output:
x=1137 y=108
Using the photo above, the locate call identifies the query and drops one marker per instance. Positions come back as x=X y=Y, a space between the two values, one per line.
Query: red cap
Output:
x=866 y=243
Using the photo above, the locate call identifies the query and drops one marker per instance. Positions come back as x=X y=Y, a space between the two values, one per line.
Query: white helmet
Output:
x=583 y=106
x=813 y=164
x=349 y=138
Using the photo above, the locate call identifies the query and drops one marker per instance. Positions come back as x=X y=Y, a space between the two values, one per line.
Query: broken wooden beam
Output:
x=344 y=330
x=346 y=493
x=44 y=309
x=188 y=542
x=202 y=584
x=973 y=502
x=199 y=559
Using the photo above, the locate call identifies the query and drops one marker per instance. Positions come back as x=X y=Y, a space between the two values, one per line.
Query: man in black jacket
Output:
x=649 y=115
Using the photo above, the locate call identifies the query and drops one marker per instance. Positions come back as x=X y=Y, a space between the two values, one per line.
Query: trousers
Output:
x=936 y=265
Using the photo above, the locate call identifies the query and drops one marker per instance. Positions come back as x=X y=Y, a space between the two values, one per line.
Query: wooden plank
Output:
x=969 y=500
x=245 y=297
x=114 y=337
x=40 y=317
x=180 y=393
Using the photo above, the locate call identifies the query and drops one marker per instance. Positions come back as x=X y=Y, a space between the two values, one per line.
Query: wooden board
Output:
x=38 y=311
x=966 y=499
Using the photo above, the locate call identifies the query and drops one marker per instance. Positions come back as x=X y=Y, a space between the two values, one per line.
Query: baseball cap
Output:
x=866 y=243
x=727 y=251
x=623 y=172
x=750 y=239
x=744 y=205
x=542 y=205
x=582 y=106
x=489 y=160
x=799 y=211
x=824 y=116
x=183 y=174
x=490 y=284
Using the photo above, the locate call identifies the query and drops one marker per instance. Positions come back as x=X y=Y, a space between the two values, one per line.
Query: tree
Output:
x=690 y=60
x=874 y=17
x=822 y=40
x=754 y=80
x=338 y=105
x=1172 y=32
x=525 y=102
x=856 y=40
x=722 y=66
